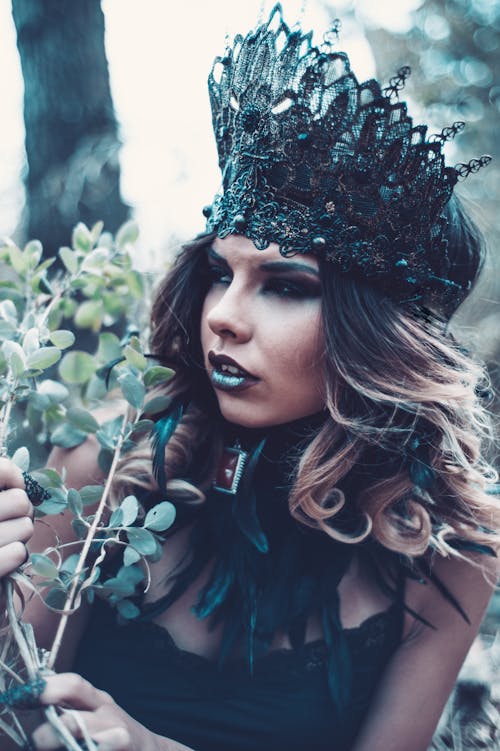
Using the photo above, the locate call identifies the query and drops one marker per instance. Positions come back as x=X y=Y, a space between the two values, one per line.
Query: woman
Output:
x=334 y=549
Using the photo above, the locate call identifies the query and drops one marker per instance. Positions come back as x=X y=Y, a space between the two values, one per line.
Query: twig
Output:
x=68 y=605
x=62 y=731
x=4 y=423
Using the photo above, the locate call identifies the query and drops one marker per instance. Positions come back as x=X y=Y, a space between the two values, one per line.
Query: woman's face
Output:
x=261 y=333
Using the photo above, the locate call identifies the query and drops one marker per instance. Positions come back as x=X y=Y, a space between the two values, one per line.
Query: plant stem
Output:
x=68 y=605
x=4 y=422
x=22 y=644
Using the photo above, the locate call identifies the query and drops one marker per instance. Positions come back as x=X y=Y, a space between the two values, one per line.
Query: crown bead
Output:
x=239 y=222
x=207 y=211
x=318 y=243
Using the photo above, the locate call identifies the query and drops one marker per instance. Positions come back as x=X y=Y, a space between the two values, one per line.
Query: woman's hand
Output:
x=16 y=518
x=92 y=713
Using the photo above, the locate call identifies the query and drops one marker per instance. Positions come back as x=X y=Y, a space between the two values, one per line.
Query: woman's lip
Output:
x=220 y=359
x=228 y=382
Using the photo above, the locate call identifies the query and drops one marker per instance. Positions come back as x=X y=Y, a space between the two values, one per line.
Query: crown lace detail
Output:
x=317 y=162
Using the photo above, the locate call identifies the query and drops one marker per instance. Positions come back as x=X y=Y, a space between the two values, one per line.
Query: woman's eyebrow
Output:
x=281 y=266
x=288 y=266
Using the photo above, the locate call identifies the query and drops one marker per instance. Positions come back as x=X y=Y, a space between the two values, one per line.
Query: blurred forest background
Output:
x=113 y=99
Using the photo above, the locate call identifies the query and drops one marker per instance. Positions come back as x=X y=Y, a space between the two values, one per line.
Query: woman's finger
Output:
x=14 y=530
x=14 y=503
x=73 y=691
x=113 y=739
x=10 y=475
x=12 y=556
x=79 y=724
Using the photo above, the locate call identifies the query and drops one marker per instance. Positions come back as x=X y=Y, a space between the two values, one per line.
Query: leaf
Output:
x=33 y=252
x=160 y=517
x=21 y=458
x=81 y=238
x=8 y=311
x=135 y=358
x=125 y=582
x=40 y=283
x=75 y=502
x=96 y=230
x=142 y=540
x=69 y=259
x=105 y=439
x=62 y=338
x=77 y=367
x=31 y=341
x=133 y=390
x=80 y=528
x=116 y=519
x=142 y=426
x=7 y=330
x=15 y=357
x=48 y=477
x=56 y=598
x=109 y=347
x=89 y=315
x=17 y=259
x=53 y=390
x=67 y=436
x=91 y=494
x=69 y=564
x=157 y=374
x=96 y=260
x=156 y=404
x=128 y=233
x=127 y=609
x=82 y=419
x=43 y=358
x=130 y=556
x=130 y=509
x=44 y=566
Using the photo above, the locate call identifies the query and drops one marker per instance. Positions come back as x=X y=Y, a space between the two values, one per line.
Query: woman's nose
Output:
x=228 y=317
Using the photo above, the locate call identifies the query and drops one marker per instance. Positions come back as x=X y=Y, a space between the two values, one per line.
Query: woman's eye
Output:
x=294 y=290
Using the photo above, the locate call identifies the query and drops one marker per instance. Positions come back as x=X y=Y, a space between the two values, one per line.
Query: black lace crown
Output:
x=317 y=162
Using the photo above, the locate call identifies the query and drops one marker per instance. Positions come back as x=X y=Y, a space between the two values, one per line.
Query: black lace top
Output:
x=285 y=705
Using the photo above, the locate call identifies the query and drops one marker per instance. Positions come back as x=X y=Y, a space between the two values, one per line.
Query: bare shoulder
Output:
x=470 y=580
x=431 y=654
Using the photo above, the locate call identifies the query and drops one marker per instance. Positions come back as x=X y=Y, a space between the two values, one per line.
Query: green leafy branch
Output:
x=97 y=288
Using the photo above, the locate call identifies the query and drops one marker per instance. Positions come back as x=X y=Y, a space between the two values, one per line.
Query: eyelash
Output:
x=280 y=287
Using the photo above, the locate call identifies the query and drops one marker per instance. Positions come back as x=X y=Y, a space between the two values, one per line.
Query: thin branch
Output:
x=4 y=423
x=68 y=606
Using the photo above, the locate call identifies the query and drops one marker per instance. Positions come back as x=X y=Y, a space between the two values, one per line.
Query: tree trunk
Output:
x=71 y=132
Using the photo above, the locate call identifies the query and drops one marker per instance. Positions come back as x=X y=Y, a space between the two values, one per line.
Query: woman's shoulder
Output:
x=454 y=594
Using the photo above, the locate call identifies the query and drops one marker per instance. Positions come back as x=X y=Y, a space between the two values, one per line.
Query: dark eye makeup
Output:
x=281 y=286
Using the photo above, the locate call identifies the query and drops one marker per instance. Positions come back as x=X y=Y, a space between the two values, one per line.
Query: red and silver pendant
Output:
x=230 y=470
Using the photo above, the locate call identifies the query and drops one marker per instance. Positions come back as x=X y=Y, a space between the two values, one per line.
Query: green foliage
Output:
x=51 y=385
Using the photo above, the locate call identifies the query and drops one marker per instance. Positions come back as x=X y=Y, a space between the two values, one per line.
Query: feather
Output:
x=245 y=503
x=161 y=433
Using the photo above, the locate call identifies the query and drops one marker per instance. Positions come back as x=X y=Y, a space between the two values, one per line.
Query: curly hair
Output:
x=402 y=399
